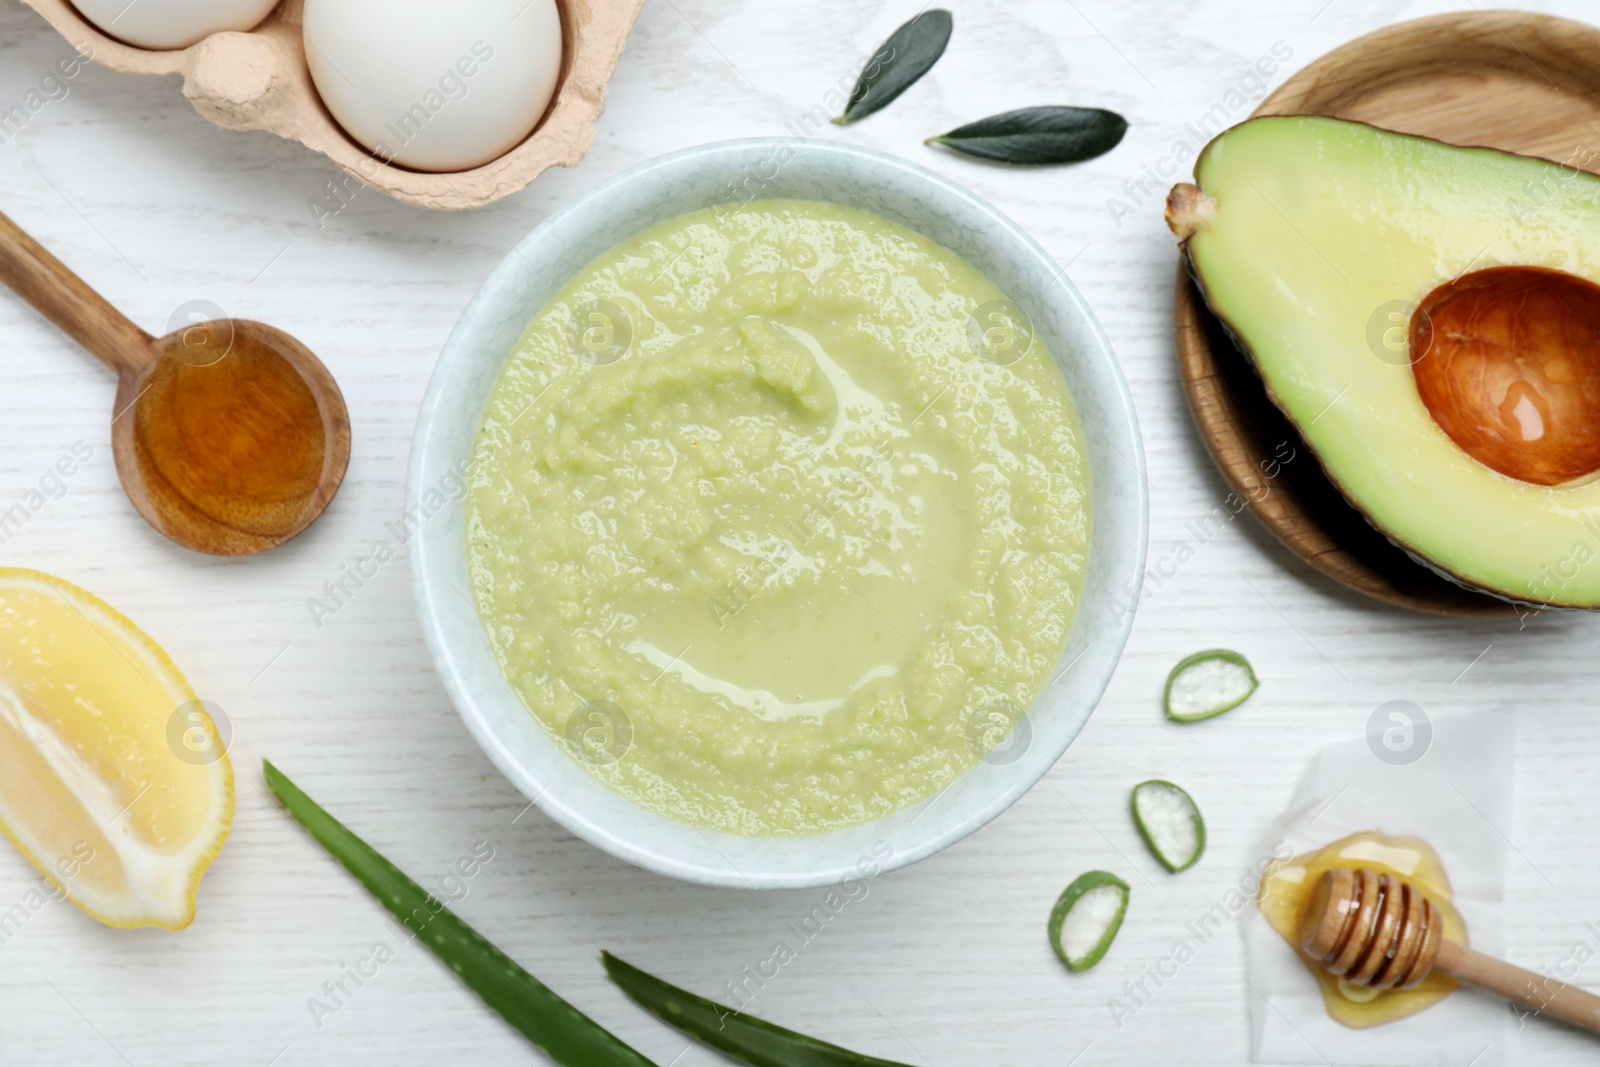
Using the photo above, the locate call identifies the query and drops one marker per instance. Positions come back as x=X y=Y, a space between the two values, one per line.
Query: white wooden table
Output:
x=945 y=963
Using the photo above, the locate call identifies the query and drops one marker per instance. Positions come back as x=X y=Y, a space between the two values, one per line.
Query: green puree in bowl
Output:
x=779 y=517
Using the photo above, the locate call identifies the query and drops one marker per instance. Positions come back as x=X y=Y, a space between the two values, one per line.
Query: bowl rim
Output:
x=1112 y=392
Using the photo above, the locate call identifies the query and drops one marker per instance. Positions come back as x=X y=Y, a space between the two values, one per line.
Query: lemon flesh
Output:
x=113 y=780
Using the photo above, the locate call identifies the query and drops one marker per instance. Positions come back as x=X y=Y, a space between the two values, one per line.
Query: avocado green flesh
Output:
x=1323 y=228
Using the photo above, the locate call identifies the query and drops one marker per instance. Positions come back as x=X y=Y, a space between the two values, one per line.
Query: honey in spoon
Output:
x=230 y=437
x=1285 y=892
x=226 y=433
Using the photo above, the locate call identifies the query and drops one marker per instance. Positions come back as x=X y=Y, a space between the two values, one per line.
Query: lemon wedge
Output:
x=113 y=780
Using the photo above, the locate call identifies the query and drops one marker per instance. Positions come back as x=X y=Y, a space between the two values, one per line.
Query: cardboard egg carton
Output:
x=258 y=80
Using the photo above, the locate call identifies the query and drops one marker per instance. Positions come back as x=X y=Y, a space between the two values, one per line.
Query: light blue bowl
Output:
x=448 y=427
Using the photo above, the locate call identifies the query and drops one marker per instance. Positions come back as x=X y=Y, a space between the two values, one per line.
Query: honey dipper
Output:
x=1380 y=932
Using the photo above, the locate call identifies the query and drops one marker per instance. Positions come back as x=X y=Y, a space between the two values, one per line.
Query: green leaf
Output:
x=906 y=56
x=561 y=1031
x=1039 y=135
x=741 y=1036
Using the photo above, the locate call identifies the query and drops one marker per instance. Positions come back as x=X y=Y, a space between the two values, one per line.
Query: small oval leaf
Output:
x=1039 y=135
x=906 y=56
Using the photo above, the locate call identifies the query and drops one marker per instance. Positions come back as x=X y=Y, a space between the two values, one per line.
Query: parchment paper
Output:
x=1457 y=797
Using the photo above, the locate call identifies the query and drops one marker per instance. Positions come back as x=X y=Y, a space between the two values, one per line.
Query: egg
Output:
x=435 y=86
x=171 y=23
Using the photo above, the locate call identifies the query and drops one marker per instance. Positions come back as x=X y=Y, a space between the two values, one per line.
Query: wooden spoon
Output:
x=229 y=436
x=1382 y=933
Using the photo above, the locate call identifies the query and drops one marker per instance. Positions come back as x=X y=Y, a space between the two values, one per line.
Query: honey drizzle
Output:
x=1284 y=894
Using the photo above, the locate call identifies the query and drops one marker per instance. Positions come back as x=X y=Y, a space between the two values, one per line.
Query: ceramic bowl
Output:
x=448 y=427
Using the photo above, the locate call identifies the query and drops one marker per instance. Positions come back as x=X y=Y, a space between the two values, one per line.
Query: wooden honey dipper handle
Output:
x=1380 y=932
x=1537 y=993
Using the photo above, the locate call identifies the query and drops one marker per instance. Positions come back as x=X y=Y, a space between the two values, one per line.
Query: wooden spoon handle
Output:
x=66 y=300
x=1537 y=993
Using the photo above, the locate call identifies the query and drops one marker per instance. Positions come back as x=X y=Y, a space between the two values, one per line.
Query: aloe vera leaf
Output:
x=560 y=1030
x=744 y=1037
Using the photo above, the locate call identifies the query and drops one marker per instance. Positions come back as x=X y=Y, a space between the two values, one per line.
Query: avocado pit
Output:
x=1507 y=361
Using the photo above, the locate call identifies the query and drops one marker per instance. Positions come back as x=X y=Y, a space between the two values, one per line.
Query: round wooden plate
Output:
x=1503 y=79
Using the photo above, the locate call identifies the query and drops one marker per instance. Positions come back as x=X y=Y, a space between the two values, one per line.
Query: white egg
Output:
x=171 y=23
x=435 y=85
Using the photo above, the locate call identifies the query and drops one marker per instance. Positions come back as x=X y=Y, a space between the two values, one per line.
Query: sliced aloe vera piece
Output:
x=1208 y=683
x=1086 y=918
x=1170 y=823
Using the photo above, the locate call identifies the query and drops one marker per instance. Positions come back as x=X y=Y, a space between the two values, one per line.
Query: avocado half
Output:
x=1428 y=318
